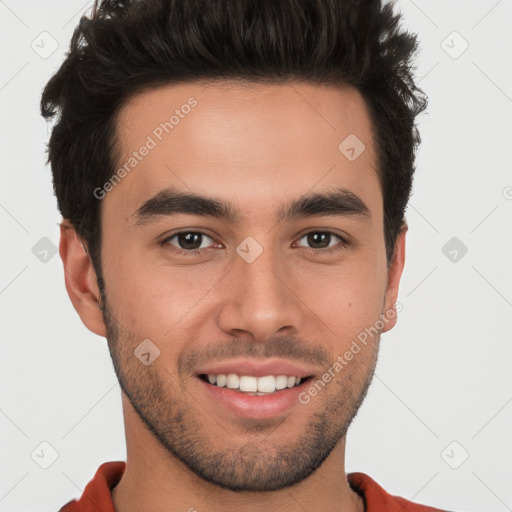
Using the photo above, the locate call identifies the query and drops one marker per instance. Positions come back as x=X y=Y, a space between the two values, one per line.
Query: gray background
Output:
x=442 y=390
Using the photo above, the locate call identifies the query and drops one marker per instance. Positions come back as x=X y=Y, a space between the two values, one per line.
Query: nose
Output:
x=262 y=299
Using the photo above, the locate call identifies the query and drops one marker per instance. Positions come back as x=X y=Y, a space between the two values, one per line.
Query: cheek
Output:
x=152 y=298
x=347 y=299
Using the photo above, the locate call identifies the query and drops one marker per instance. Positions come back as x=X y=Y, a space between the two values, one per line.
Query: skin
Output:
x=258 y=147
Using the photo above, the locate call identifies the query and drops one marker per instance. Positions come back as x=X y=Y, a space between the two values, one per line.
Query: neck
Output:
x=155 y=480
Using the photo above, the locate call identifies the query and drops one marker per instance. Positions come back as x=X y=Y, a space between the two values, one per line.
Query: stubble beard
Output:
x=181 y=426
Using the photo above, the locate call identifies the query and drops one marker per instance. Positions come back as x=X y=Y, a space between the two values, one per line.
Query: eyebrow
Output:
x=168 y=202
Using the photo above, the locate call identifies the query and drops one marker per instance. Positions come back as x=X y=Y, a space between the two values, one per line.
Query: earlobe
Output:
x=394 y=274
x=80 y=279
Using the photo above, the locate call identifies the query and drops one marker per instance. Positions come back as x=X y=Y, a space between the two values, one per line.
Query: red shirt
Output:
x=97 y=498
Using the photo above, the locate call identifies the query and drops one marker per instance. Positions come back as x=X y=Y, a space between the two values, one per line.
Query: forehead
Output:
x=248 y=142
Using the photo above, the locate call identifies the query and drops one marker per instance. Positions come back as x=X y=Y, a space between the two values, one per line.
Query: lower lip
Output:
x=254 y=406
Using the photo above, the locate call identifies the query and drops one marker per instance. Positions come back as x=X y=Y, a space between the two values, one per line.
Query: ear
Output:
x=80 y=279
x=394 y=274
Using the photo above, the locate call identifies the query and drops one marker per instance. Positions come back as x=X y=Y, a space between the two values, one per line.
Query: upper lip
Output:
x=258 y=368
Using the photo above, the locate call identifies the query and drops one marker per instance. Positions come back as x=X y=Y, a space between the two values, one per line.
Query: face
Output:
x=245 y=244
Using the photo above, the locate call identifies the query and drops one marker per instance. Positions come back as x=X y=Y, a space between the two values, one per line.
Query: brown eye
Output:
x=323 y=241
x=189 y=243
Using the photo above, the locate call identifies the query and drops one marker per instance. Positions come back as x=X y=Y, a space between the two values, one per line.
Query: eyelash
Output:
x=197 y=252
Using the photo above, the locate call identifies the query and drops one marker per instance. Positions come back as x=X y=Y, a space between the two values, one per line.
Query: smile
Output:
x=251 y=385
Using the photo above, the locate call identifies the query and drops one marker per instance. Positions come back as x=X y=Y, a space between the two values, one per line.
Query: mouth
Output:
x=251 y=397
x=252 y=385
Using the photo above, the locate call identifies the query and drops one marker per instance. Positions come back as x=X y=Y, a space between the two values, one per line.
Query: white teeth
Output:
x=266 y=384
x=257 y=385
x=233 y=381
x=281 y=381
x=248 y=384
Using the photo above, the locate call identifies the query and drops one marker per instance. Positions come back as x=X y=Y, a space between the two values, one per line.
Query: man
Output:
x=233 y=177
